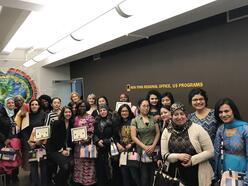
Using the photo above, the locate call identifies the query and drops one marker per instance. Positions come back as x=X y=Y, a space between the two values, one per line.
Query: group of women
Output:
x=155 y=129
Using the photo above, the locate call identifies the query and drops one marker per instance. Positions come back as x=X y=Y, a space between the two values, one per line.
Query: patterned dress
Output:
x=208 y=123
x=235 y=144
x=84 y=169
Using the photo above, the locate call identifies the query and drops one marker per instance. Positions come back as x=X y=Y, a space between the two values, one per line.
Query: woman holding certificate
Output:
x=36 y=119
x=60 y=147
x=84 y=167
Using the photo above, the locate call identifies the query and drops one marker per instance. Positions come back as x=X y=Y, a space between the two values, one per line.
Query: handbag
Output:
x=113 y=148
x=133 y=158
x=232 y=178
x=37 y=154
x=229 y=177
x=8 y=154
x=162 y=178
x=123 y=158
x=88 y=151
x=148 y=158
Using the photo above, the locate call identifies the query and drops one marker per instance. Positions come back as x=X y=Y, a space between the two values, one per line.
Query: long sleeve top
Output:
x=60 y=137
x=203 y=146
x=235 y=145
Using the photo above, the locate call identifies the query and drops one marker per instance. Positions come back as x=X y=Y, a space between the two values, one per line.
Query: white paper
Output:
x=118 y=104
x=41 y=133
x=79 y=133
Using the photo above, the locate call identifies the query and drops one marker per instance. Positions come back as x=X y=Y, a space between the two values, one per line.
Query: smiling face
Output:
x=101 y=101
x=10 y=104
x=44 y=103
x=56 y=104
x=123 y=98
x=82 y=109
x=67 y=113
x=165 y=114
x=18 y=102
x=179 y=117
x=166 y=101
x=34 y=106
x=75 y=98
x=124 y=113
x=103 y=112
x=226 y=113
x=144 y=107
x=91 y=100
x=198 y=102
x=153 y=99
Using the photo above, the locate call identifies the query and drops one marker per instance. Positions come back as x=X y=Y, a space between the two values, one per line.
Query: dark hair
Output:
x=30 y=110
x=55 y=98
x=167 y=107
x=48 y=99
x=229 y=102
x=130 y=115
x=141 y=101
x=87 y=105
x=156 y=93
x=196 y=91
x=61 y=115
x=107 y=103
x=45 y=97
x=123 y=93
x=169 y=95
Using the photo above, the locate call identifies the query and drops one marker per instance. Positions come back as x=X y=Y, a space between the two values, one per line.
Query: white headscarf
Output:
x=10 y=112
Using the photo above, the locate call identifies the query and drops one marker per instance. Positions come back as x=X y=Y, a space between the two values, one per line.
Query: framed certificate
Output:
x=41 y=133
x=118 y=104
x=79 y=133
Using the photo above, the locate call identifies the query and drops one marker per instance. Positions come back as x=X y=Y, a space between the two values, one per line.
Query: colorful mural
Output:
x=16 y=82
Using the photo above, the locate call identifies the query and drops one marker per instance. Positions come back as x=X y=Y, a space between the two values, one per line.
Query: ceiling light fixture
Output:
x=127 y=16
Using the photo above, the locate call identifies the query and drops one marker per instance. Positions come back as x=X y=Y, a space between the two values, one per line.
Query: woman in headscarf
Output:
x=7 y=121
x=188 y=147
x=8 y=129
x=104 y=134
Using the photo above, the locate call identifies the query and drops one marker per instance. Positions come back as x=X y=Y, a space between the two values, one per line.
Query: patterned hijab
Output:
x=10 y=112
x=175 y=128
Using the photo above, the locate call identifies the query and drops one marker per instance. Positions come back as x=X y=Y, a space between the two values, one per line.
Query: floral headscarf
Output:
x=174 y=128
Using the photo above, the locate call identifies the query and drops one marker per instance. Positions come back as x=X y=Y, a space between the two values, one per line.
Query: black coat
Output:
x=5 y=126
x=104 y=129
x=59 y=137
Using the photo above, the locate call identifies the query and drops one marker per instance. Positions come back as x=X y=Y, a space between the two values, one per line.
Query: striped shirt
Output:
x=51 y=117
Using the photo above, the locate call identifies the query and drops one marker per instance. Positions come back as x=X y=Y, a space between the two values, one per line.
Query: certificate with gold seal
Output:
x=79 y=133
x=41 y=133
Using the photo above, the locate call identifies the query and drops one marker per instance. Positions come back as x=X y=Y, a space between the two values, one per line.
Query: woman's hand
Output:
x=7 y=142
x=184 y=157
x=149 y=149
x=100 y=143
x=120 y=147
x=129 y=146
x=32 y=145
x=159 y=163
x=187 y=164
x=157 y=117
x=65 y=152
